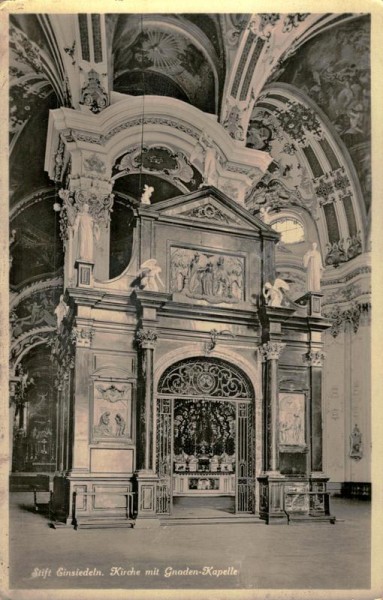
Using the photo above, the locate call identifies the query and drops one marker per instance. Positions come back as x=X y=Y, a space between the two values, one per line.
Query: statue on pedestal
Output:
x=146 y=195
x=312 y=261
x=87 y=230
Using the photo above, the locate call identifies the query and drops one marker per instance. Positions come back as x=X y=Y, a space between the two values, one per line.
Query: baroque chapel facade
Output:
x=190 y=262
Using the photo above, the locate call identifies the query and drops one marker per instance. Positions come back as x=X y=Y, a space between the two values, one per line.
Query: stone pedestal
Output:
x=145 y=484
x=271 y=505
x=84 y=273
x=313 y=301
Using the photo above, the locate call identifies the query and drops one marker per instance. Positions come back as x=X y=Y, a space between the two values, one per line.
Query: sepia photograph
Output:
x=189 y=303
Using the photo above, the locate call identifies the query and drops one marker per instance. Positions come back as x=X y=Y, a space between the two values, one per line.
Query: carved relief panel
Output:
x=112 y=412
x=204 y=275
x=291 y=419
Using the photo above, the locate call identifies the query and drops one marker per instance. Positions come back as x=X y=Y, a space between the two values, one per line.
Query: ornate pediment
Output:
x=208 y=212
x=210 y=206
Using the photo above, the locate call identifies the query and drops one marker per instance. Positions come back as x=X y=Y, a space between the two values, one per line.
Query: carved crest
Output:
x=112 y=393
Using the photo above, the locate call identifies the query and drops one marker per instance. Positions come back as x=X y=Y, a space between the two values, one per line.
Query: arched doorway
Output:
x=205 y=433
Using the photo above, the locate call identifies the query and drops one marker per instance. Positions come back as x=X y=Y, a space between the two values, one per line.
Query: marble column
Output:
x=147 y=339
x=314 y=360
x=145 y=477
x=272 y=351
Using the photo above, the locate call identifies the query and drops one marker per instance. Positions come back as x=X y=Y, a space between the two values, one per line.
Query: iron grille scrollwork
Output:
x=202 y=377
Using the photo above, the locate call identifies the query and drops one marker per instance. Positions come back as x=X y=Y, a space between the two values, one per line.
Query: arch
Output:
x=26 y=343
x=206 y=375
x=252 y=371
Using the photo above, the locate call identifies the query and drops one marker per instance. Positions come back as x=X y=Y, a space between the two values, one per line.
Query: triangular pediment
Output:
x=210 y=205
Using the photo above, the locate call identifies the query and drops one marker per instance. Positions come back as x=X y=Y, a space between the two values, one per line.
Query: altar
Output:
x=204 y=484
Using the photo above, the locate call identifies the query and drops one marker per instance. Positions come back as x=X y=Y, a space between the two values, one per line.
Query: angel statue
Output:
x=273 y=294
x=148 y=191
x=150 y=273
x=264 y=214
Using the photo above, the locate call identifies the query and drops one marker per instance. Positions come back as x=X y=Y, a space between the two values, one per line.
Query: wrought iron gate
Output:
x=206 y=379
x=244 y=495
x=164 y=455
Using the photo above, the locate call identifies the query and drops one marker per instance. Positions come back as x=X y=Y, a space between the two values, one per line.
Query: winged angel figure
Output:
x=273 y=294
x=150 y=273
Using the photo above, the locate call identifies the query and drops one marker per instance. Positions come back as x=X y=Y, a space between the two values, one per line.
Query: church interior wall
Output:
x=296 y=147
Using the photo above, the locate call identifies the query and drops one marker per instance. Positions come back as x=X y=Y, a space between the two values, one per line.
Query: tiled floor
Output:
x=253 y=555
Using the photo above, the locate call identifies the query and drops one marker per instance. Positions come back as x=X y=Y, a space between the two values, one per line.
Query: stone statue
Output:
x=150 y=273
x=120 y=425
x=146 y=195
x=103 y=427
x=264 y=214
x=87 y=230
x=205 y=145
x=312 y=261
x=61 y=311
x=356 y=443
x=273 y=294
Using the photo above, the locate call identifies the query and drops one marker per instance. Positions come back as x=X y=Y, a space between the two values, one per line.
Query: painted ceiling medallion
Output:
x=161 y=49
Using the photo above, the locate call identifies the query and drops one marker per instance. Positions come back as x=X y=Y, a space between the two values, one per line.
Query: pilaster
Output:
x=149 y=302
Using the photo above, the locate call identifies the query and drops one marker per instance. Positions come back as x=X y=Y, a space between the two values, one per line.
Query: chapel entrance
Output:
x=205 y=438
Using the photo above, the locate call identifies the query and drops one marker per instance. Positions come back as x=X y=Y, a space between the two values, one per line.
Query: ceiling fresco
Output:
x=28 y=81
x=334 y=71
x=36 y=248
x=156 y=49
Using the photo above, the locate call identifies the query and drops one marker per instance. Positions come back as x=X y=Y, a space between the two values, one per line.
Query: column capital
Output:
x=272 y=350
x=314 y=358
x=147 y=338
x=97 y=195
x=82 y=336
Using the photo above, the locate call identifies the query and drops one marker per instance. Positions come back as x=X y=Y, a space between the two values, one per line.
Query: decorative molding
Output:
x=147 y=338
x=82 y=336
x=59 y=160
x=29 y=340
x=340 y=316
x=337 y=253
x=93 y=95
x=95 y=164
x=214 y=335
x=100 y=207
x=342 y=294
x=112 y=393
x=160 y=160
x=208 y=212
x=314 y=358
x=274 y=194
x=272 y=350
x=293 y=20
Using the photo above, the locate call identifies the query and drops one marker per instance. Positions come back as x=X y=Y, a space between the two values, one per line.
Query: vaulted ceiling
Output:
x=296 y=86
